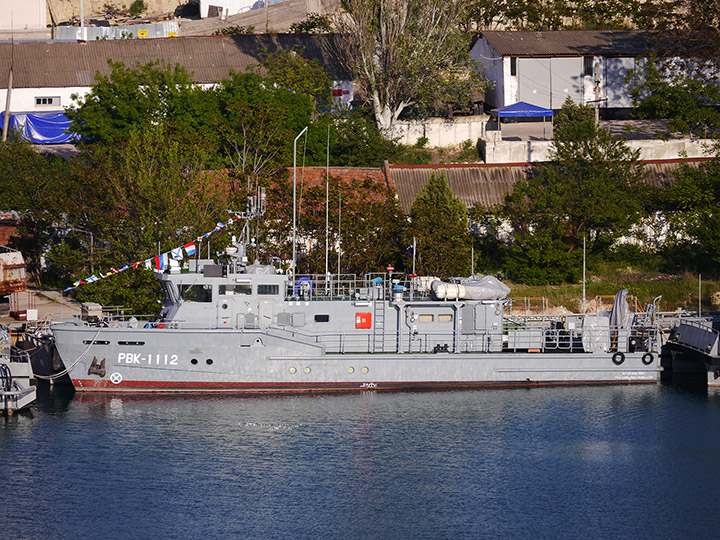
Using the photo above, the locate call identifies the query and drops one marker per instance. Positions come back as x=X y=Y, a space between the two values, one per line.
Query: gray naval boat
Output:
x=240 y=327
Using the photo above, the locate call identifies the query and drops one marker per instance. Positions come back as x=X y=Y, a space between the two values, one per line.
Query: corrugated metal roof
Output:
x=486 y=185
x=208 y=58
x=569 y=42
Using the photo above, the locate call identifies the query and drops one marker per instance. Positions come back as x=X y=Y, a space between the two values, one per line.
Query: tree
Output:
x=313 y=24
x=371 y=226
x=680 y=93
x=290 y=70
x=691 y=205
x=137 y=290
x=29 y=184
x=130 y=99
x=403 y=52
x=590 y=190
x=438 y=221
x=555 y=14
x=257 y=124
x=141 y=196
x=686 y=29
x=680 y=82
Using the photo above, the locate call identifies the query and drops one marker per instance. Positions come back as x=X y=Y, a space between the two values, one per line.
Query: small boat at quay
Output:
x=230 y=326
x=16 y=376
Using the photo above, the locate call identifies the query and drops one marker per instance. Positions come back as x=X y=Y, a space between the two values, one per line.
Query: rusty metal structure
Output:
x=12 y=271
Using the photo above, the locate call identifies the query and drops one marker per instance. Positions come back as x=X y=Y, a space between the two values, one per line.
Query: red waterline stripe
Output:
x=90 y=385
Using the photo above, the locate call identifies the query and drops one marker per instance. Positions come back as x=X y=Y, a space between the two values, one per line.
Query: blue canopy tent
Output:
x=41 y=127
x=522 y=109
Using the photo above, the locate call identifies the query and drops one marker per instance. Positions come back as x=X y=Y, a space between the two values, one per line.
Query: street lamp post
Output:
x=294 y=198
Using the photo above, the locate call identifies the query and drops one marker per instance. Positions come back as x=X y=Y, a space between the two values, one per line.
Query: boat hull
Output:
x=207 y=360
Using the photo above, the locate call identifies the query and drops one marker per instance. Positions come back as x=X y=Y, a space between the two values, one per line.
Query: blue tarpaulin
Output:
x=521 y=110
x=41 y=127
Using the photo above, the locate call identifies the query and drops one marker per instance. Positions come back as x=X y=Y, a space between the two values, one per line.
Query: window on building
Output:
x=588 y=66
x=513 y=66
x=445 y=317
x=425 y=317
x=47 y=101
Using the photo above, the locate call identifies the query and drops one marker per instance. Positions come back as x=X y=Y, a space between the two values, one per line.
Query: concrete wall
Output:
x=64 y=10
x=650 y=149
x=441 y=132
x=25 y=15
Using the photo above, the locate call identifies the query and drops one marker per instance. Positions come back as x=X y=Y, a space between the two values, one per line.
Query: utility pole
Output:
x=267 y=17
x=6 y=118
x=597 y=94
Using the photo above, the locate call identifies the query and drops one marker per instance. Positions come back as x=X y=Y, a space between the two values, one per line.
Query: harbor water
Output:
x=575 y=462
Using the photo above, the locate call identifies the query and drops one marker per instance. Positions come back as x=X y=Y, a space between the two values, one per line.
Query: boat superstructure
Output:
x=234 y=326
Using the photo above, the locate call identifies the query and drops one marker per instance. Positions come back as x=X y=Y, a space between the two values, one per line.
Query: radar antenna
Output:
x=254 y=209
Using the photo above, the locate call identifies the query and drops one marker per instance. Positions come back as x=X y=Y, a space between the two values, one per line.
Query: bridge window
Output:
x=322 y=318
x=268 y=289
x=445 y=317
x=425 y=317
x=196 y=292
x=236 y=289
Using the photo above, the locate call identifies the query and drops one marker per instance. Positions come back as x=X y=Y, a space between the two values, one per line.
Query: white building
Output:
x=46 y=74
x=544 y=68
x=25 y=15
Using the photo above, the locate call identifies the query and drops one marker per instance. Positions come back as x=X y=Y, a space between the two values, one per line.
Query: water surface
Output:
x=584 y=462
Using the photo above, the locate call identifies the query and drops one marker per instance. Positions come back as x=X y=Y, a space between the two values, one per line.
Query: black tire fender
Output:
x=648 y=358
x=618 y=358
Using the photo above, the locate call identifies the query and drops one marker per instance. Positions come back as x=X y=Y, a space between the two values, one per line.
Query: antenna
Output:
x=327 y=204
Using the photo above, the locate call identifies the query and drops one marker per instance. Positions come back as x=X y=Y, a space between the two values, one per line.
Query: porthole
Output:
x=224 y=306
x=193 y=361
x=306 y=369
x=209 y=361
x=364 y=369
x=292 y=370
x=351 y=369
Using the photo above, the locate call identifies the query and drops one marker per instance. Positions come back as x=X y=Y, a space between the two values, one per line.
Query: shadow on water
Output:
x=53 y=399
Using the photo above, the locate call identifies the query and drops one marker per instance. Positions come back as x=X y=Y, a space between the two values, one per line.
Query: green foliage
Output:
x=313 y=24
x=683 y=95
x=438 y=221
x=29 y=184
x=692 y=207
x=258 y=124
x=290 y=70
x=574 y=122
x=135 y=290
x=592 y=189
x=137 y=8
x=235 y=31
x=146 y=193
x=132 y=99
x=371 y=227
x=27 y=177
x=356 y=141
x=65 y=258
x=468 y=151
x=560 y=14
